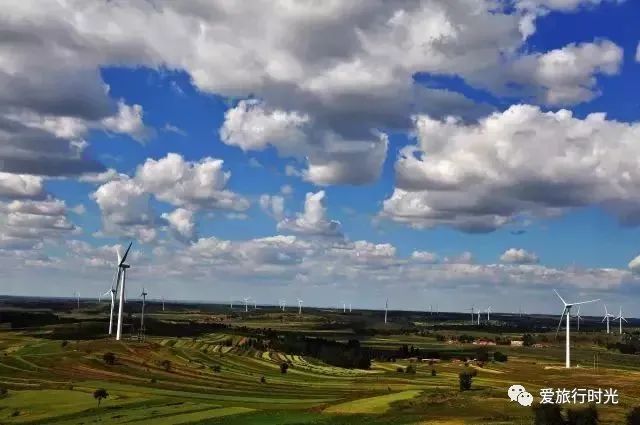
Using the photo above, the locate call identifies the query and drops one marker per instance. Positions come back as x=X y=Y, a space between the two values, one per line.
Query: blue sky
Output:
x=312 y=124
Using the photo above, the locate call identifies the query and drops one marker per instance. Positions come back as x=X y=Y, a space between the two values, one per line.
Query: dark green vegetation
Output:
x=203 y=364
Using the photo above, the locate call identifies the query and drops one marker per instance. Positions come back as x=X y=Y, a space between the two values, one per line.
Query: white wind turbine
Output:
x=567 y=310
x=472 y=306
x=163 y=303
x=488 y=313
x=349 y=307
x=607 y=316
x=620 y=318
x=578 y=318
x=386 y=308
x=344 y=307
x=300 y=306
x=478 y=317
x=283 y=304
x=122 y=275
x=76 y=295
x=246 y=304
x=255 y=304
x=143 y=294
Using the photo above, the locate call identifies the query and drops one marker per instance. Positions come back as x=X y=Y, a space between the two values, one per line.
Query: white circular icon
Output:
x=514 y=391
x=525 y=399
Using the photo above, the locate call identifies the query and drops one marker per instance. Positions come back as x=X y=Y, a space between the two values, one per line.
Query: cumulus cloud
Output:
x=128 y=120
x=313 y=219
x=273 y=205
x=518 y=256
x=125 y=202
x=566 y=76
x=425 y=257
x=20 y=186
x=325 y=107
x=181 y=222
x=25 y=224
x=479 y=177
x=634 y=265
x=189 y=184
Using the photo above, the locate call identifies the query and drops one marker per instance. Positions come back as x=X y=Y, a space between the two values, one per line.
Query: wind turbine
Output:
x=478 y=317
x=620 y=318
x=488 y=312
x=472 y=314
x=607 y=316
x=255 y=305
x=299 y=306
x=344 y=307
x=76 y=295
x=143 y=294
x=349 y=307
x=122 y=275
x=386 y=307
x=567 y=310
x=163 y=303
x=578 y=318
x=246 y=305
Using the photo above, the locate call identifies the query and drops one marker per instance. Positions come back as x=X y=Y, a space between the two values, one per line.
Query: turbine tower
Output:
x=143 y=294
x=488 y=313
x=386 y=308
x=607 y=316
x=344 y=307
x=479 y=317
x=122 y=274
x=349 y=307
x=567 y=310
x=472 y=314
x=76 y=295
x=620 y=318
x=299 y=306
x=578 y=318
x=246 y=305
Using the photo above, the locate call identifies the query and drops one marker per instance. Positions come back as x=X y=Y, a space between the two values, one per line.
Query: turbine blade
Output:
x=561 y=317
x=124 y=257
x=624 y=319
x=586 y=302
x=561 y=299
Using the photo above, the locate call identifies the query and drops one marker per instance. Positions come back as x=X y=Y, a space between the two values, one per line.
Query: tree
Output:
x=109 y=358
x=433 y=372
x=166 y=365
x=3 y=392
x=99 y=394
x=284 y=367
x=410 y=369
x=482 y=354
x=465 y=379
x=263 y=380
x=547 y=414
x=527 y=340
x=633 y=417
x=585 y=416
x=499 y=357
x=216 y=368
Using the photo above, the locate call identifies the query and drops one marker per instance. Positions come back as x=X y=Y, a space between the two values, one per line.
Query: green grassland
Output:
x=217 y=378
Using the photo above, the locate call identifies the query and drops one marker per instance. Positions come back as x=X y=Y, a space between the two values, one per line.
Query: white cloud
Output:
x=128 y=121
x=634 y=265
x=425 y=257
x=638 y=53
x=479 y=177
x=273 y=205
x=286 y=189
x=313 y=220
x=174 y=129
x=518 y=256
x=182 y=222
x=567 y=75
x=102 y=177
x=189 y=184
x=20 y=186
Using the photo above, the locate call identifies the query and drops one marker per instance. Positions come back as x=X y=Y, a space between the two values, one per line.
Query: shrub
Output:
x=217 y=368
x=433 y=372
x=499 y=357
x=64 y=343
x=166 y=365
x=15 y=413
x=152 y=380
x=3 y=392
x=400 y=370
x=547 y=414
x=465 y=379
x=99 y=394
x=585 y=416
x=633 y=417
x=284 y=367
x=109 y=358
x=410 y=369
x=263 y=380
x=482 y=354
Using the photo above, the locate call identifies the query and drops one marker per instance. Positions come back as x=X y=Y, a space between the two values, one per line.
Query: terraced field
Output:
x=220 y=378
